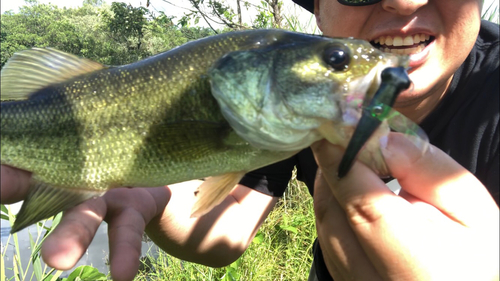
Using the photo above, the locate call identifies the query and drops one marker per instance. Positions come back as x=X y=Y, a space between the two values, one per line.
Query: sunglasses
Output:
x=358 y=2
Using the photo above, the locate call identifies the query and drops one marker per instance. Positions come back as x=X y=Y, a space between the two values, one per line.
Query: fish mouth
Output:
x=367 y=87
x=394 y=80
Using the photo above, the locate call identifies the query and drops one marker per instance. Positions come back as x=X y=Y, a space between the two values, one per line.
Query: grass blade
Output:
x=55 y=222
x=16 y=269
x=55 y=277
x=2 y=268
x=35 y=260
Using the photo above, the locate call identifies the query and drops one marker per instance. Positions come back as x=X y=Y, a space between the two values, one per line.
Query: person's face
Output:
x=446 y=31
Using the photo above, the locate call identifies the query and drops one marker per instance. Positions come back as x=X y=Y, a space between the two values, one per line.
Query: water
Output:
x=96 y=255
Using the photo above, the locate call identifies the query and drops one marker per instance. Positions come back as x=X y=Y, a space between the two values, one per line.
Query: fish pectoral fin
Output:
x=34 y=69
x=44 y=201
x=213 y=191
x=330 y=131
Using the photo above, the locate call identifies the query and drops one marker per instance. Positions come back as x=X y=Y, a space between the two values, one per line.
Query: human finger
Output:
x=342 y=252
x=14 y=185
x=361 y=186
x=125 y=237
x=385 y=224
x=70 y=239
x=434 y=177
x=127 y=220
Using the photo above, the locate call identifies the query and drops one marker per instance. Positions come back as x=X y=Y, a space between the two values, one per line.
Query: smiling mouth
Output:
x=408 y=45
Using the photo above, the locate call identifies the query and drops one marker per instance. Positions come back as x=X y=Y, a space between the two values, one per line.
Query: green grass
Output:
x=20 y=270
x=281 y=250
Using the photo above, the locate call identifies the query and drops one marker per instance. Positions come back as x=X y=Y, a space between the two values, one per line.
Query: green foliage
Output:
x=269 y=14
x=281 y=250
x=20 y=270
x=85 y=273
x=112 y=35
x=126 y=21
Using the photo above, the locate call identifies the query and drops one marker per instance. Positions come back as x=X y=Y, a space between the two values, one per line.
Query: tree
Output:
x=269 y=14
x=127 y=22
x=112 y=35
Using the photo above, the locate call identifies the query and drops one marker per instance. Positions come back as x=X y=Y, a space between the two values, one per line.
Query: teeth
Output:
x=408 y=41
x=405 y=51
x=414 y=41
x=400 y=41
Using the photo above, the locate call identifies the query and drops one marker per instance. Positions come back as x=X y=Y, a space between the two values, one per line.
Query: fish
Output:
x=214 y=108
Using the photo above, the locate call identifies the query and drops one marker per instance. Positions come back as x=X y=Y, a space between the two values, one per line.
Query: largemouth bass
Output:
x=220 y=106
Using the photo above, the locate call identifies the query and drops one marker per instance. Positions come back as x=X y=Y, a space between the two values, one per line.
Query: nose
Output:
x=403 y=7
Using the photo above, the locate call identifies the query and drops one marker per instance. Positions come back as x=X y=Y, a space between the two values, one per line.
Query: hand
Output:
x=444 y=225
x=126 y=210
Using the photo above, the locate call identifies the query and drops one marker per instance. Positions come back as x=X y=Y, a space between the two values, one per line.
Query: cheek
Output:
x=461 y=22
x=461 y=26
x=457 y=27
x=463 y=31
x=335 y=21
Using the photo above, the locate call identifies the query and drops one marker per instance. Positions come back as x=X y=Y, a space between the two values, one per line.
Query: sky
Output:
x=178 y=11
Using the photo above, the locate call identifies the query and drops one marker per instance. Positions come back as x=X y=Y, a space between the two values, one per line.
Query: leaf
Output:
x=17 y=260
x=35 y=260
x=231 y=275
x=16 y=269
x=289 y=228
x=235 y=264
x=55 y=222
x=4 y=209
x=259 y=238
x=55 y=277
x=86 y=273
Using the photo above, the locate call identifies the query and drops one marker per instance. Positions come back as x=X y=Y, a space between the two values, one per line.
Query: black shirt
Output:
x=464 y=125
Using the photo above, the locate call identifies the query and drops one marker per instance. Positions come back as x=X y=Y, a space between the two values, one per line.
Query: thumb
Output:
x=434 y=177
x=14 y=184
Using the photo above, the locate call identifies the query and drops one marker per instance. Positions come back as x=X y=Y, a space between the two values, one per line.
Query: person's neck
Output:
x=416 y=110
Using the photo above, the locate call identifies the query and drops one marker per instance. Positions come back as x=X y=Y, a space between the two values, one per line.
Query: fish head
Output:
x=287 y=96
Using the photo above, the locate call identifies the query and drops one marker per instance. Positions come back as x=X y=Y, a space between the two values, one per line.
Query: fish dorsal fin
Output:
x=31 y=70
x=213 y=191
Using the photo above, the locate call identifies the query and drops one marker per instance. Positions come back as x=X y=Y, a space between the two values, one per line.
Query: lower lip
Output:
x=418 y=59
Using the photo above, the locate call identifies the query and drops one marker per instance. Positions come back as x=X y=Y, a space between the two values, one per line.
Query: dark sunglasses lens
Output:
x=358 y=2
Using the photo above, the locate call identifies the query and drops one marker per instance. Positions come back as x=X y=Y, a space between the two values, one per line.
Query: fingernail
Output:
x=383 y=141
x=397 y=145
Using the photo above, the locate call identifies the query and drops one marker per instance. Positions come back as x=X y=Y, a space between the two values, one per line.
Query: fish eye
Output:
x=338 y=57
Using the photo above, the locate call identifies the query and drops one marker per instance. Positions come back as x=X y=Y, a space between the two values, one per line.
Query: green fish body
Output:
x=195 y=111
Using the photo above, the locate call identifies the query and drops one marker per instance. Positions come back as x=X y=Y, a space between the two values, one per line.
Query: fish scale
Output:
x=82 y=128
